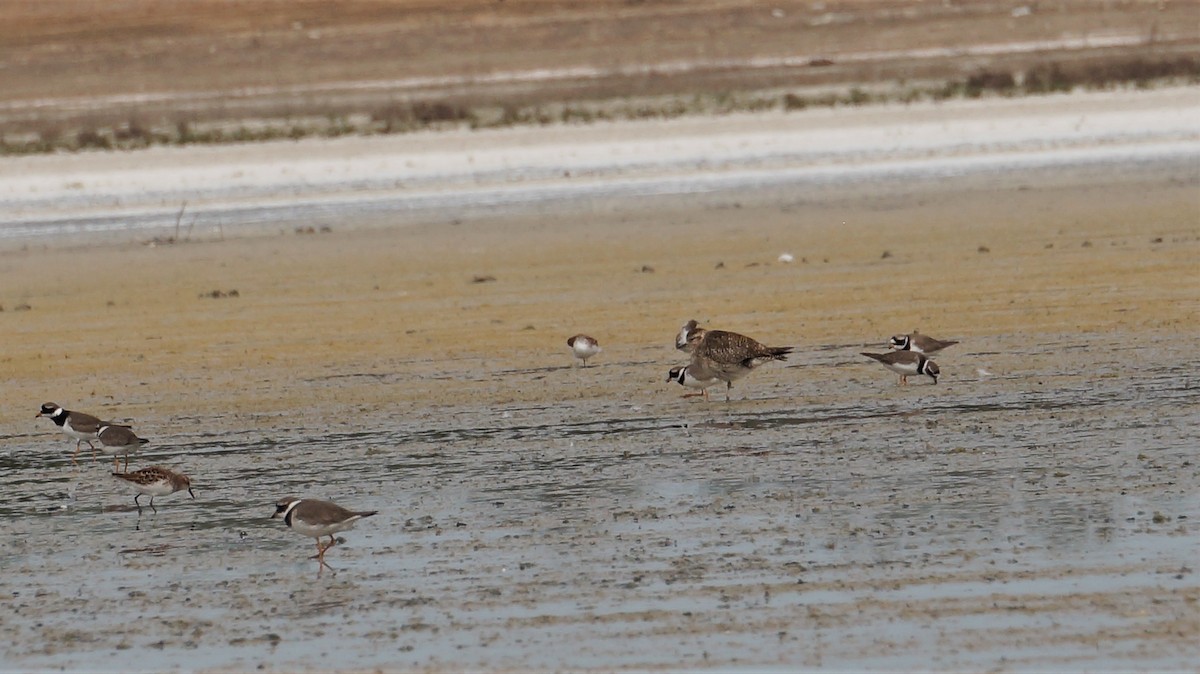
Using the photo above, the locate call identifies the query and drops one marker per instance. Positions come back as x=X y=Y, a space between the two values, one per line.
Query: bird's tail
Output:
x=876 y=356
x=779 y=352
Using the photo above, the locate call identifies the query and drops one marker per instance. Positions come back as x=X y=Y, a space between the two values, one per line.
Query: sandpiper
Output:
x=156 y=481
x=584 y=347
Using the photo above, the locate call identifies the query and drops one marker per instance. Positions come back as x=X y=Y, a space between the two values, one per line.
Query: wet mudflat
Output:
x=1041 y=514
x=1035 y=510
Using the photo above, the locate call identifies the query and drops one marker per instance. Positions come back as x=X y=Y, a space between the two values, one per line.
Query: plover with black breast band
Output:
x=316 y=518
x=907 y=364
x=82 y=427
x=683 y=375
x=919 y=343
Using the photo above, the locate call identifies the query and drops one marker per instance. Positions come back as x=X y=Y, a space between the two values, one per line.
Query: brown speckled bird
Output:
x=584 y=347
x=729 y=356
x=156 y=481
x=688 y=335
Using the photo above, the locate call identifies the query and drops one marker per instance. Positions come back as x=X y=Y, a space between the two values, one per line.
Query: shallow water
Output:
x=1041 y=517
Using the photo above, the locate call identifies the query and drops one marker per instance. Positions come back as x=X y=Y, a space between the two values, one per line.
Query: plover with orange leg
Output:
x=907 y=364
x=919 y=343
x=584 y=347
x=314 y=518
x=684 y=376
x=117 y=440
x=156 y=481
x=729 y=356
x=82 y=427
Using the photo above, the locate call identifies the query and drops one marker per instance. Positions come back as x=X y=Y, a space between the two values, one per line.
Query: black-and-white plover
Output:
x=919 y=343
x=683 y=375
x=907 y=364
x=315 y=518
x=82 y=427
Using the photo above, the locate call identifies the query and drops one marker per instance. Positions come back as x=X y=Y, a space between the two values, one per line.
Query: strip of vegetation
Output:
x=420 y=115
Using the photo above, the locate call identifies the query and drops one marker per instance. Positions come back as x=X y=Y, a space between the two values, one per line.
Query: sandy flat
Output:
x=1005 y=251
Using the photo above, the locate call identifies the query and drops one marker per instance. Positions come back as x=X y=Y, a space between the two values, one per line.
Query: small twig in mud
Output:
x=179 y=218
x=152 y=550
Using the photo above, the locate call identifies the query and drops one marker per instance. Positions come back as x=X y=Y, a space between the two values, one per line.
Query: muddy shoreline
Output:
x=1034 y=510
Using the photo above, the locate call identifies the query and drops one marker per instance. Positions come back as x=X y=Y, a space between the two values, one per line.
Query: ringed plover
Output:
x=919 y=343
x=906 y=364
x=82 y=427
x=311 y=517
x=116 y=440
x=684 y=376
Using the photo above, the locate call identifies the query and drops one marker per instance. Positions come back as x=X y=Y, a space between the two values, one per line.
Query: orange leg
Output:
x=321 y=554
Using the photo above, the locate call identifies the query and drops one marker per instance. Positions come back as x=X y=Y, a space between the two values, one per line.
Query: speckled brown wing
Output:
x=730 y=348
x=141 y=477
x=147 y=476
